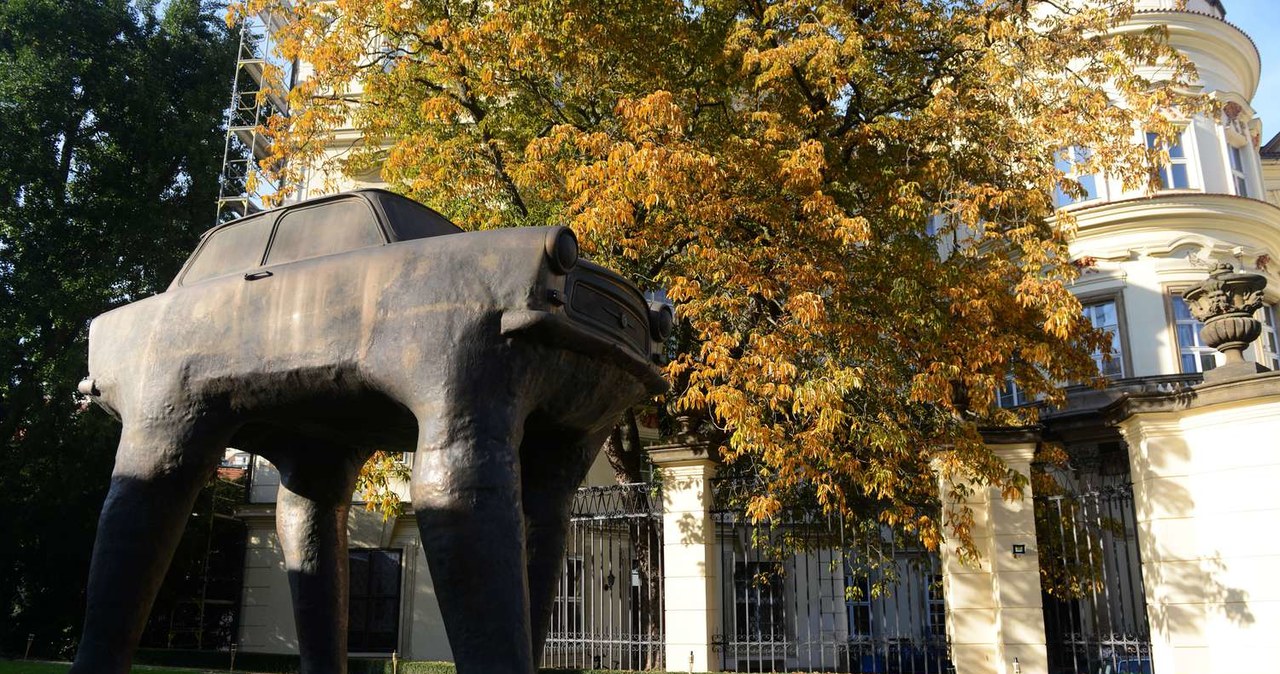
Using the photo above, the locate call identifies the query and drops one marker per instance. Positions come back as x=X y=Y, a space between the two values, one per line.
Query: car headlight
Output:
x=562 y=249
x=662 y=320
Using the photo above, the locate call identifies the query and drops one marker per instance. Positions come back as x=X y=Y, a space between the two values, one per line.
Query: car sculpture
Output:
x=316 y=333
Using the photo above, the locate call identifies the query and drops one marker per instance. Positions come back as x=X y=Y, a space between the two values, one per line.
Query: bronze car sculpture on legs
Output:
x=317 y=333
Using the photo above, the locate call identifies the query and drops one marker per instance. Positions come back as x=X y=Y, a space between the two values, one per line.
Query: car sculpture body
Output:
x=316 y=333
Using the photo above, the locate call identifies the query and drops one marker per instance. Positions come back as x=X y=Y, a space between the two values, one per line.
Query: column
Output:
x=1206 y=484
x=691 y=562
x=995 y=616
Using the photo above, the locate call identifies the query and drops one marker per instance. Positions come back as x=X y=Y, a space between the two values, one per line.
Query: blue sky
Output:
x=1261 y=20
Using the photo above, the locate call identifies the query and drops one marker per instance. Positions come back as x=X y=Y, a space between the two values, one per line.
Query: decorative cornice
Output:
x=1205 y=395
x=1207 y=15
x=1011 y=435
x=683 y=454
x=1215 y=17
x=1138 y=207
x=1107 y=230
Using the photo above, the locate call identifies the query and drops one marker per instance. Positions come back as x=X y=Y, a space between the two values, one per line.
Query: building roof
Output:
x=1222 y=16
x=1271 y=150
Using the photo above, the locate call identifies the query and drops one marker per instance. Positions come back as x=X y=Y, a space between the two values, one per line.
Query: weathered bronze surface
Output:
x=317 y=333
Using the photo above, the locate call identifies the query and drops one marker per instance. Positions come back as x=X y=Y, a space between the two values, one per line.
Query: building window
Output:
x=937 y=607
x=1069 y=162
x=1270 y=340
x=1173 y=175
x=758 y=604
x=373 y=616
x=1239 y=177
x=1011 y=395
x=1193 y=355
x=1104 y=316
x=932 y=225
x=858 y=604
x=566 y=612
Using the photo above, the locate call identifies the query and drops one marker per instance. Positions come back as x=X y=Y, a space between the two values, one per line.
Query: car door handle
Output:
x=255 y=275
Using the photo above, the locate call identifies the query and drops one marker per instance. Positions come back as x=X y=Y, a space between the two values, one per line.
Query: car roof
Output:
x=369 y=194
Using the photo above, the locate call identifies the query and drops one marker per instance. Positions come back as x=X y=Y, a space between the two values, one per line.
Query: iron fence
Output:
x=1091 y=576
x=608 y=607
x=822 y=594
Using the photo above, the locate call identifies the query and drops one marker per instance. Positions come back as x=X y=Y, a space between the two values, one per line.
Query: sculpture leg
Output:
x=316 y=483
x=554 y=467
x=466 y=494
x=158 y=473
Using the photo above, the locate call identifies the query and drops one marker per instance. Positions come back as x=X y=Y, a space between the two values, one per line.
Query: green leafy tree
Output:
x=110 y=147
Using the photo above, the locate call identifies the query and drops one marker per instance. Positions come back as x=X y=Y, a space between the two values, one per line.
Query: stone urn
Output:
x=1225 y=303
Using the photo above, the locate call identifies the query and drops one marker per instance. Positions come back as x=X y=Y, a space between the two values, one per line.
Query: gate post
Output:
x=995 y=616
x=1205 y=474
x=691 y=561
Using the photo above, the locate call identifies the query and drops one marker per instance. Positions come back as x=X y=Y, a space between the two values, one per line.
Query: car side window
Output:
x=324 y=229
x=232 y=249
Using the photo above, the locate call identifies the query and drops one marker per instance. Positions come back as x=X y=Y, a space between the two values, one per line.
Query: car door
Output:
x=235 y=248
x=329 y=227
x=309 y=292
x=204 y=312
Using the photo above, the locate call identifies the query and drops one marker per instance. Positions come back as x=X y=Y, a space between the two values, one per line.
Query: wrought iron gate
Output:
x=609 y=602
x=1091 y=574
x=805 y=597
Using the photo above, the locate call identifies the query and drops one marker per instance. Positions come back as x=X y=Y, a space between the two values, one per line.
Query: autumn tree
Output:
x=849 y=204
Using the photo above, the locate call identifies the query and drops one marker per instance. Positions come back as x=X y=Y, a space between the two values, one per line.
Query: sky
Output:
x=1261 y=20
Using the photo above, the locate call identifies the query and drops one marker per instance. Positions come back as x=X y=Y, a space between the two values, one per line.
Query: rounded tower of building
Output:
x=1142 y=248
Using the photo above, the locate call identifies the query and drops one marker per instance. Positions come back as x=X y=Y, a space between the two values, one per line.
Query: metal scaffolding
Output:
x=258 y=91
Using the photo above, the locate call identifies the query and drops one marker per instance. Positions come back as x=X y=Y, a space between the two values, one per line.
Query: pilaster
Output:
x=691 y=564
x=995 y=616
x=1205 y=467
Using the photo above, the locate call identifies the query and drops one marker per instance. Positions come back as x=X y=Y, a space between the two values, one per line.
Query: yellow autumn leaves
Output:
x=849 y=203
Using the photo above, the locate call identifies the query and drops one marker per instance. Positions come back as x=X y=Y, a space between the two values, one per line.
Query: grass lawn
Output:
x=33 y=667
